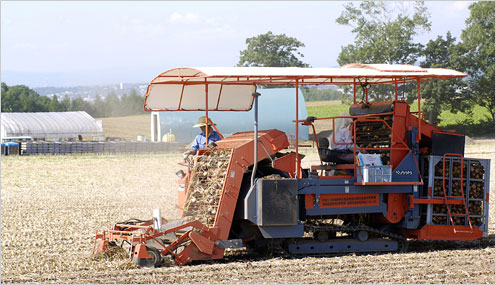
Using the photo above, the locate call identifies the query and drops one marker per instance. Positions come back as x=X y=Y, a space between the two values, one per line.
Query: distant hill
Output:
x=89 y=92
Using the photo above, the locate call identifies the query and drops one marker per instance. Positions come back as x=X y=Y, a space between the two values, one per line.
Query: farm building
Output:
x=51 y=125
x=276 y=111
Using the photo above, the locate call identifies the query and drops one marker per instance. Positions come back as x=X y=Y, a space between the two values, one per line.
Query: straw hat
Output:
x=202 y=122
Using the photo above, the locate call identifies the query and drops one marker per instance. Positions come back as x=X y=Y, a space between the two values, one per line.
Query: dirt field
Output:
x=52 y=205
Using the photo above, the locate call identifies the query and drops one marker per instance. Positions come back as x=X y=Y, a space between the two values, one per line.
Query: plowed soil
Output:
x=52 y=206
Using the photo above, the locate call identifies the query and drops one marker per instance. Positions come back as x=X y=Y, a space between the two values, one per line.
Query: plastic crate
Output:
x=375 y=173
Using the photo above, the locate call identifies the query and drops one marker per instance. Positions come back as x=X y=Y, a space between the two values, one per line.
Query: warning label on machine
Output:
x=348 y=200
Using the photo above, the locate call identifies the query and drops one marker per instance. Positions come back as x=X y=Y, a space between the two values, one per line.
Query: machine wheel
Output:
x=321 y=236
x=363 y=236
x=154 y=261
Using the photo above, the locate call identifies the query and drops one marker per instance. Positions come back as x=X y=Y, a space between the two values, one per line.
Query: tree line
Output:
x=21 y=98
x=384 y=33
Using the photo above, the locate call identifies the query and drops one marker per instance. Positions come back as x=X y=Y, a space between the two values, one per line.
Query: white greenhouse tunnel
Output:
x=50 y=125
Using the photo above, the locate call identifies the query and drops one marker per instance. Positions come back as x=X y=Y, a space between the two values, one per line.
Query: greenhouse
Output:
x=51 y=126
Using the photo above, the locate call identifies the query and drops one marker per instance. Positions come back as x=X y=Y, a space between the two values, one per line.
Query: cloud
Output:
x=188 y=18
x=138 y=26
x=460 y=5
x=205 y=26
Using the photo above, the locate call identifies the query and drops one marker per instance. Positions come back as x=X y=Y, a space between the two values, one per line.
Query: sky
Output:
x=67 y=43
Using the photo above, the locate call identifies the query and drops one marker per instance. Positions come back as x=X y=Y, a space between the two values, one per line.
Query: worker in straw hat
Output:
x=200 y=141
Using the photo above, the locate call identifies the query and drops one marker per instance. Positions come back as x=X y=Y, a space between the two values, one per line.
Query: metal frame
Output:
x=429 y=199
x=391 y=74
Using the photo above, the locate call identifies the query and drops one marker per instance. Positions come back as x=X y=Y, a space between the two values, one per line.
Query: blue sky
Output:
x=77 y=43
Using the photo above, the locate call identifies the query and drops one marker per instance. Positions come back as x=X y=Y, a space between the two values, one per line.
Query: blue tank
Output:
x=276 y=110
x=12 y=148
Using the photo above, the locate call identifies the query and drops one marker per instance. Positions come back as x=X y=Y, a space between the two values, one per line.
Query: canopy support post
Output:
x=296 y=146
x=396 y=89
x=255 y=137
x=354 y=90
x=418 y=111
x=206 y=112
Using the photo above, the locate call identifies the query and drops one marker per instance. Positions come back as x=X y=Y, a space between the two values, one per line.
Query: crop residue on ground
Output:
x=52 y=206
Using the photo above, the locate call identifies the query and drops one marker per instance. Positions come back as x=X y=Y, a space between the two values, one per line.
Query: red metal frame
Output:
x=202 y=246
x=206 y=111
x=444 y=232
x=454 y=197
x=297 y=161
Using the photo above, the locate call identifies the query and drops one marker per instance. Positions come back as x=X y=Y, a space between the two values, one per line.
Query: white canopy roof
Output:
x=52 y=125
x=231 y=88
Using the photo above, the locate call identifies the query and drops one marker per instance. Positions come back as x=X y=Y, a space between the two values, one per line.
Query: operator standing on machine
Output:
x=200 y=141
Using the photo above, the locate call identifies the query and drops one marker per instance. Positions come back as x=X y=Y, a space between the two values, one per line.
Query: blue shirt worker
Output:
x=200 y=141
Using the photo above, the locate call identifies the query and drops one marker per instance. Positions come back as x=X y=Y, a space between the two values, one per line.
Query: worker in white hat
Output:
x=342 y=135
x=200 y=141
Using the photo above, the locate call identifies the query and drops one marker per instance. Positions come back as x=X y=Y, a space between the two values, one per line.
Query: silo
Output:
x=277 y=108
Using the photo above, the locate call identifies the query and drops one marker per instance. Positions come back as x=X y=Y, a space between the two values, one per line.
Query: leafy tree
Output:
x=441 y=95
x=383 y=35
x=10 y=102
x=44 y=103
x=135 y=102
x=99 y=107
x=65 y=103
x=20 y=98
x=315 y=94
x=271 y=50
x=477 y=55
x=380 y=38
x=77 y=104
x=112 y=105
x=55 y=106
x=5 y=88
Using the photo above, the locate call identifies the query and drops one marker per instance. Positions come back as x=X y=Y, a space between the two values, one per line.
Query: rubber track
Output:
x=277 y=249
x=402 y=241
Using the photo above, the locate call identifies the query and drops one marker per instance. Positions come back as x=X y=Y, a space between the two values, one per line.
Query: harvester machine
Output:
x=409 y=179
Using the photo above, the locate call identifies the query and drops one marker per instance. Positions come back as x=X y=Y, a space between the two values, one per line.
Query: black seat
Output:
x=329 y=155
x=366 y=109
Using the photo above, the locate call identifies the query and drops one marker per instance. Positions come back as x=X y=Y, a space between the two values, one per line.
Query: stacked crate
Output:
x=375 y=134
x=475 y=186
x=34 y=148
